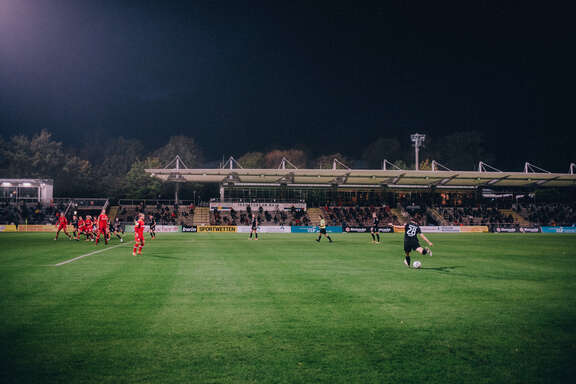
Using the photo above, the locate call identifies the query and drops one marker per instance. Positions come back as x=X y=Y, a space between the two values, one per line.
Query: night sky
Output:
x=323 y=76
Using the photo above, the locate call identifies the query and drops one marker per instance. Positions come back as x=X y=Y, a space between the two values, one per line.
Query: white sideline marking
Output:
x=86 y=255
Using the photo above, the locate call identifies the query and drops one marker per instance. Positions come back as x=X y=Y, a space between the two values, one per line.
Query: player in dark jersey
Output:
x=117 y=229
x=254 y=227
x=411 y=232
x=374 y=228
x=152 y=227
x=75 y=229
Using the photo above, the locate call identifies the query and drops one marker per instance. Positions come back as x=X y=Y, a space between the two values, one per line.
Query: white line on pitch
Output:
x=86 y=255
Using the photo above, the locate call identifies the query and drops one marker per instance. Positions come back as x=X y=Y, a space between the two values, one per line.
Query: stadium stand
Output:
x=165 y=212
x=549 y=214
x=292 y=217
x=359 y=216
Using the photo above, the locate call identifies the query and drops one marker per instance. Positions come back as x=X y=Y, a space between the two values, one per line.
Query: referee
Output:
x=322 y=228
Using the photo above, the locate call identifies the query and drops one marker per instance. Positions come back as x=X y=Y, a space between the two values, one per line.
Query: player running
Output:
x=81 y=228
x=322 y=228
x=117 y=229
x=88 y=228
x=102 y=227
x=411 y=232
x=62 y=223
x=138 y=235
x=254 y=227
x=74 y=223
x=374 y=228
x=152 y=227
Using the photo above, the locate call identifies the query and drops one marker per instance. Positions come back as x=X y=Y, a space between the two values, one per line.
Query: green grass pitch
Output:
x=218 y=308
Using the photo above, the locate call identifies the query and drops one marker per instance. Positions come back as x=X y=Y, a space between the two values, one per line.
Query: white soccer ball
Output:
x=417 y=264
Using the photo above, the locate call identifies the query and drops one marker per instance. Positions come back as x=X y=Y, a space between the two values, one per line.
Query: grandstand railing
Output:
x=258 y=201
x=156 y=202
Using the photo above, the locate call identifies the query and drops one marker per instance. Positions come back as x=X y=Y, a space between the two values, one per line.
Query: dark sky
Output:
x=324 y=76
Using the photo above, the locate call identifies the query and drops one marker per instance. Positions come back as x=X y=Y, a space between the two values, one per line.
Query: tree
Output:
x=381 y=149
x=252 y=160
x=42 y=157
x=138 y=184
x=296 y=156
x=326 y=161
x=461 y=150
x=185 y=146
x=118 y=156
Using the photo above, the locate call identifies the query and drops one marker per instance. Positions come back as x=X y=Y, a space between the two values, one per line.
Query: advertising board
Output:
x=312 y=229
x=8 y=228
x=265 y=229
x=189 y=228
x=558 y=229
x=216 y=228
x=348 y=229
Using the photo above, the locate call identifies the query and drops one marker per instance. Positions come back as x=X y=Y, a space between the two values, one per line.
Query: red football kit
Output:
x=139 y=230
x=62 y=222
x=81 y=225
x=102 y=228
x=87 y=225
x=138 y=237
x=103 y=222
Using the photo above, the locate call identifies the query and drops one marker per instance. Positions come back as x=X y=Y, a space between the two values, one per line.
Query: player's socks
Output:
x=424 y=251
x=407 y=261
x=134 y=250
x=140 y=249
x=373 y=238
x=319 y=238
x=378 y=237
x=250 y=235
x=329 y=239
x=256 y=236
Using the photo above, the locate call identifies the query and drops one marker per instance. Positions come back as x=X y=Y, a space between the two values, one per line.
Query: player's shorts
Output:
x=153 y=229
x=139 y=238
x=62 y=226
x=374 y=229
x=411 y=245
x=254 y=228
x=323 y=231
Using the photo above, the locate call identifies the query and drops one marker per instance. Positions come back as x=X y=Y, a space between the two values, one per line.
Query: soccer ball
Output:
x=417 y=264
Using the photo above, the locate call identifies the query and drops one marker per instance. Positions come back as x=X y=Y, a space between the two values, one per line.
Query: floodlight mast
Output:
x=417 y=142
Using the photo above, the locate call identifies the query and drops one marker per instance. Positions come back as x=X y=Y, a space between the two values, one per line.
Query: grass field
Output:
x=218 y=308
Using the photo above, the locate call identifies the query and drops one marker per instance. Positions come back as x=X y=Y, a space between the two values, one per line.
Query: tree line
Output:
x=115 y=168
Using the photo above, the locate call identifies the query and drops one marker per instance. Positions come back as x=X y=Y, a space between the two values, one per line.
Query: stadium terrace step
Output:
x=437 y=216
x=113 y=213
x=517 y=218
x=400 y=215
x=201 y=216
x=314 y=214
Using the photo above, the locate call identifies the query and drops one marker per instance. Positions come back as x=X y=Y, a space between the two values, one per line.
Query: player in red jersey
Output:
x=138 y=235
x=88 y=228
x=80 y=227
x=102 y=227
x=62 y=223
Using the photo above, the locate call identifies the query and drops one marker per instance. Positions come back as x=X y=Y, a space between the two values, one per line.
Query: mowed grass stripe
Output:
x=222 y=309
x=94 y=324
